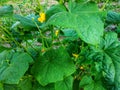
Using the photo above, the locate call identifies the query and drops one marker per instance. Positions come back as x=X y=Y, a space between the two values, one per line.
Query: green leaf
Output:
x=108 y=72
x=95 y=86
x=90 y=29
x=13 y=66
x=65 y=84
x=54 y=9
x=70 y=35
x=58 y=17
x=86 y=22
x=111 y=41
x=1 y=86
x=10 y=87
x=78 y=8
x=88 y=84
x=85 y=81
x=110 y=57
x=34 y=51
x=37 y=86
x=29 y=21
x=113 y=17
x=111 y=64
x=6 y=11
x=2 y=48
x=25 y=84
x=53 y=66
x=107 y=59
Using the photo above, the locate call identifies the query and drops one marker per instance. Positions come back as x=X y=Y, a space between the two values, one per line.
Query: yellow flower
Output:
x=81 y=67
x=56 y=32
x=42 y=17
x=75 y=55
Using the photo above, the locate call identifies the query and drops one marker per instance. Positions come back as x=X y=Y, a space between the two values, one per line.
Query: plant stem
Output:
x=40 y=6
x=10 y=36
x=42 y=36
x=104 y=5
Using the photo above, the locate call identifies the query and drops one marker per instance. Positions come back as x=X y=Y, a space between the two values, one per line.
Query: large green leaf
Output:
x=90 y=29
x=13 y=66
x=53 y=66
x=37 y=86
x=107 y=59
x=89 y=84
x=25 y=84
x=85 y=81
x=65 y=84
x=108 y=54
x=6 y=11
x=10 y=87
x=109 y=73
x=83 y=19
x=111 y=62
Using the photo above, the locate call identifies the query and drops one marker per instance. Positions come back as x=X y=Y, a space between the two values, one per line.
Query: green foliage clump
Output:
x=68 y=46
